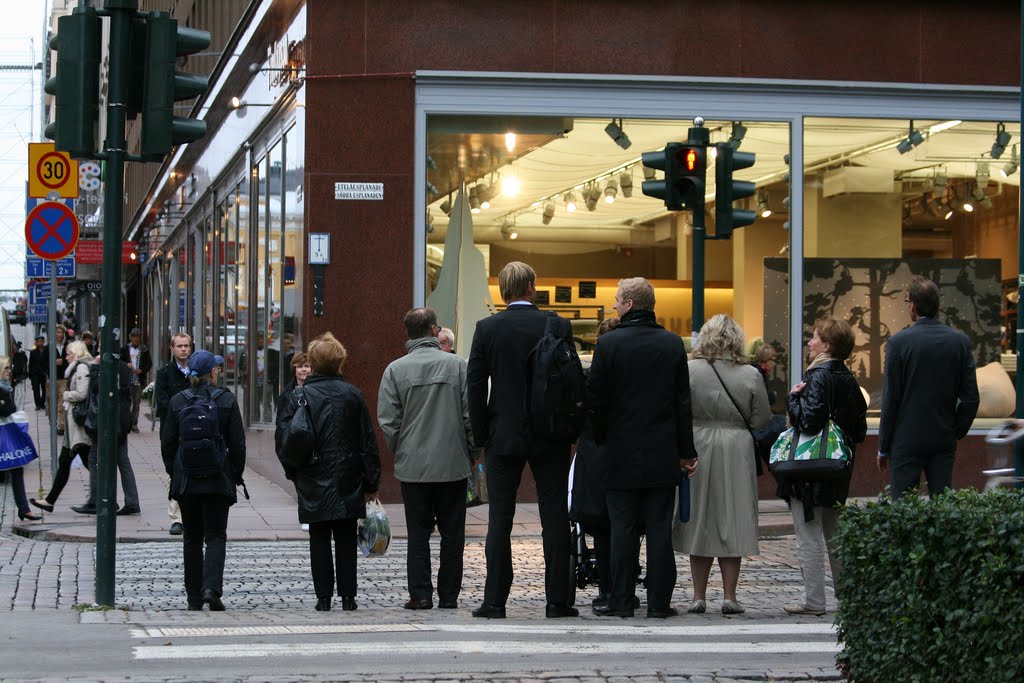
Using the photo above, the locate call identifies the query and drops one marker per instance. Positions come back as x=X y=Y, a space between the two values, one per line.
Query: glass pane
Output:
x=269 y=356
x=257 y=365
x=294 y=195
x=242 y=293
x=211 y=273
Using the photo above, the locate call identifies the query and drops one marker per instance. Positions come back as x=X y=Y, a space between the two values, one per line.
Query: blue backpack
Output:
x=201 y=447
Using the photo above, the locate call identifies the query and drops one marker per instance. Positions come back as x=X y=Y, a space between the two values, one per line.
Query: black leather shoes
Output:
x=177 y=529
x=349 y=604
x=84 y=509
x=42 y=505
x=128 y=511
x=662 y=612
x=195 y=607
x=486 y=611
x=448 y=604
x=213 y=600
x=553 y=611
x=418 y=603
x=606 y=611
x=323 y=604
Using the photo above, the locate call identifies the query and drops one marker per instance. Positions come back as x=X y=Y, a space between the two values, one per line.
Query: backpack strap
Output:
x=549 y=323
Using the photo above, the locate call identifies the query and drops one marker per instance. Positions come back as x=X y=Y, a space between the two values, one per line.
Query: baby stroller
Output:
x=1001 y=444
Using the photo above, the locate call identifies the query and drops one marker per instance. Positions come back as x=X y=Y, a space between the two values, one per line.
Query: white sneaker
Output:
x=304 y=527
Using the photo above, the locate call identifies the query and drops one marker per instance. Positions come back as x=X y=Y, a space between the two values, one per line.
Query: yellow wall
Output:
x=852 y=225
x=751 y=245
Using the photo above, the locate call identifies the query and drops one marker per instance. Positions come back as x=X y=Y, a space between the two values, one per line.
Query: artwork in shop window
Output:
x=543 y=298
x=563 y=295
x=870 y=294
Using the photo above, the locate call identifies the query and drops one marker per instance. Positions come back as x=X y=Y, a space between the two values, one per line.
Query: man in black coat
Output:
x=171 y=379
x=500 y=351
x=136 y=356
x=37 y=371
x=929 y=398
x=639 y=395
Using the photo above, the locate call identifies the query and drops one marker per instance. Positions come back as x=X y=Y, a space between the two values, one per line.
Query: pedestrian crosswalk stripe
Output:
x=476 y=647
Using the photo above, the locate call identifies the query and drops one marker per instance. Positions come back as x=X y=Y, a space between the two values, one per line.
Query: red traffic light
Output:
x=691 y=159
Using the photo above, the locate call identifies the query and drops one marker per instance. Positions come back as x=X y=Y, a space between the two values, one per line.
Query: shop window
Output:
x=293 y=198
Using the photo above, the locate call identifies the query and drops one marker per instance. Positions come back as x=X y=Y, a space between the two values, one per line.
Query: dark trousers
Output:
x=322 y=561
x=124 y=468
x=631 y=511
x=17 y=477
x=603 y=556
x=39 y=391
x=136 y=402
x=905 y=472
x=60 y=478
x=551 y=472
x=427 y=503
x=205 y=520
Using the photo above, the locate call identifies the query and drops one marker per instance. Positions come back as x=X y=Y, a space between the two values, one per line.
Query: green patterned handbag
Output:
x=811 y=457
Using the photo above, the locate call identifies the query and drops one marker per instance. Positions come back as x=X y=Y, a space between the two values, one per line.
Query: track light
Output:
x=549 y=213
x=981 y=174
x=474 y=200
x=508 y=230
x=593 y=195
x=739 y=131
x=981 y=197
x=616 y=133
x=763 y=210
x=570 y=201
x=1012 y=165
x=648 y=173
x=967 y=205
x=1002 y=140
x=913 y=139
x=626 y=184
x=430 y=222
x=484 y=193
x=446 y=206
x=940 y=182
x=611 y=189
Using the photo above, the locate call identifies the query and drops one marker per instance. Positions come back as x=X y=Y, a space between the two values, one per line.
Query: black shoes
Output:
x=662 y=613
x=29 y=516
x=195 y=607
x=177 y=529
x=213 y=600
x=606 y=611
x=486 y=611
x=42 y=505
x=553 y=611
x=349 y=604
x=128 y=511
x=418 y=603
x=84 y=509
x=323 y=604
x=448 y=604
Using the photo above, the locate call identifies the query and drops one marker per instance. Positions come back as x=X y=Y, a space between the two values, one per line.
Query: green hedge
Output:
x=933 y=590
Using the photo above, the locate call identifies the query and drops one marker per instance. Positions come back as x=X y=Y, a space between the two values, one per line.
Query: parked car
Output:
x=18 y=316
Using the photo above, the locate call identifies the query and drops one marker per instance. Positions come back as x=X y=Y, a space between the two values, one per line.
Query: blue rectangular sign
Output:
x=38 y=267
x=39 y=292
x=37 y=314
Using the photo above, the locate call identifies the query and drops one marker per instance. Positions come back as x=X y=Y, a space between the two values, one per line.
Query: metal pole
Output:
x=698 y=135
x=110 y=309
x=1019 y=460
x=51 y=339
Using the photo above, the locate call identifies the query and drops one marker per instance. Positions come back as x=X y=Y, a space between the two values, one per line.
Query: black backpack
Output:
x=86 y=412
x=201 y=447
x=554 y=388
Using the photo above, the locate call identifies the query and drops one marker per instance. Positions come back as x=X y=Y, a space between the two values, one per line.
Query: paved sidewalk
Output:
x=269 y=515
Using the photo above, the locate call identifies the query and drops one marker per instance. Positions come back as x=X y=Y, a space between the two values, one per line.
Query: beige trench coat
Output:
x=78 y=390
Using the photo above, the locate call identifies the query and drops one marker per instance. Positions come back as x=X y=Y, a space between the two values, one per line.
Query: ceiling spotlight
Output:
x=981 y=174
x=549 y=213
x=593 y=194
x=430 y=222
x=474 y=200
x=510 y=142
x=616 y=133
x=508 y=230
x=510 y=186
x=739 y=131
x=981 y=197
x=913 y=139
x=446 y=206
x=1002 y=140
x=1012 y=165
x=484 y=193
x=763 y=210
x=949 y=211
x=967 y=205
x=940 y=182
x=626 y=184
x=648 y=173
x=611 y=189
x=570 y=201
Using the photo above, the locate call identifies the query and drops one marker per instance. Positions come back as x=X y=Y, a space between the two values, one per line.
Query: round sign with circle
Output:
x=51 y=230
x=53 y=170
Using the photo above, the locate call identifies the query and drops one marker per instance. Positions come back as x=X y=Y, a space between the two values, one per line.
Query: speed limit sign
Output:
x=51 y=171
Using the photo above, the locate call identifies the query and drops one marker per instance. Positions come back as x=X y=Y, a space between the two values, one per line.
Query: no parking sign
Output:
x=51 y=230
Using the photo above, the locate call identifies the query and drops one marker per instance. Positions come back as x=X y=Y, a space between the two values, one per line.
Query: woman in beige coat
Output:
x=723 y=493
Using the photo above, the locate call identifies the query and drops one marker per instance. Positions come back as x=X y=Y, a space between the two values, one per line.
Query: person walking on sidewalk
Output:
x=423 y=410
x=136 y=356
x=76 y=441
x=333 y=490
x=497 y=376
x=828 y=392
x=38 y=365
x=8 y=407
x=929 y=396
x=171 y=379
x=205 y=499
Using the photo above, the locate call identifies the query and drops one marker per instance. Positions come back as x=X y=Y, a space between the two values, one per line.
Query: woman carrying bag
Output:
x=828 y=391
x=13 y=432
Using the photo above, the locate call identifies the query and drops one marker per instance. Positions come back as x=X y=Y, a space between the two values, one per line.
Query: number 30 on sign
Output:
x=51 y=171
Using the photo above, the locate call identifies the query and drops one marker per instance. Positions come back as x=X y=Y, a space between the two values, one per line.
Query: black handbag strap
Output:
x=734 y=403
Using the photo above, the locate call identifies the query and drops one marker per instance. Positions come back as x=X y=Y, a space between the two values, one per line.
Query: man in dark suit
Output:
x=639 y=396
x=37 y=371
x=136 y=356
x=929 y=398
x=170 y=380
x=500 y=351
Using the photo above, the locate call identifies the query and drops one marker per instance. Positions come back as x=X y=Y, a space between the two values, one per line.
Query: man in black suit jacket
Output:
x=500 y=350
x=929 y=398
x=38 y=368
x=639 y=396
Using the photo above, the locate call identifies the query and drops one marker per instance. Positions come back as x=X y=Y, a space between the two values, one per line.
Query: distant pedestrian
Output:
x=38 y=369
x=828 y=392
x=86 y=338
x=729 y=399
x=57 y=349
x=929 y=396
x=16 y=475
x=446 y=338
x=423 y=410
x=204 y=500
x=333 y=490
x=171 y=379
x=137 y=357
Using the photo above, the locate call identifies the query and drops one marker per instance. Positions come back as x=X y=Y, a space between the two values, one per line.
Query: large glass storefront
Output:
x=883 y=198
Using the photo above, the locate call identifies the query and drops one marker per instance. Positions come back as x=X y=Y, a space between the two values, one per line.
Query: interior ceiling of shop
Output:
x=549 y=163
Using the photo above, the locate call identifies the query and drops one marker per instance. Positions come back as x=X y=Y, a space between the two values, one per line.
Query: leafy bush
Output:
x=933 y=590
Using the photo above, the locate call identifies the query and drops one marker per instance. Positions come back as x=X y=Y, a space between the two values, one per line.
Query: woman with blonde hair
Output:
x=16 y=474
x=728 y=400
x=344 y=474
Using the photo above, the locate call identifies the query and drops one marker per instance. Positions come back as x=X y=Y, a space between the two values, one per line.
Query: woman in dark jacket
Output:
x=828 y=390
x=204 y=498
x=8 y=408
x=333 y=490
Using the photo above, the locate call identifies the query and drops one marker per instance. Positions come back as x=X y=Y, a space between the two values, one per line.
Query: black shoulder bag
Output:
x=298 y=449
x=753 y=437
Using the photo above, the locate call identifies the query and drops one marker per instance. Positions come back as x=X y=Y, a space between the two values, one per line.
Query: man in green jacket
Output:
x=423 y=410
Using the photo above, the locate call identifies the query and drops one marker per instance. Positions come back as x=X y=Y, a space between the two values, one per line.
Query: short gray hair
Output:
x=639 y=291
x=721 y=339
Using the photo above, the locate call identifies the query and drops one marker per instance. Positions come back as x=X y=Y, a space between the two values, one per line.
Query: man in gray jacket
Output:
x=423 y=411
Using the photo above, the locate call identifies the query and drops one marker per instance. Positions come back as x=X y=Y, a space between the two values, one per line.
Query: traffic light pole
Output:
x=699 y=236
x=115 y=154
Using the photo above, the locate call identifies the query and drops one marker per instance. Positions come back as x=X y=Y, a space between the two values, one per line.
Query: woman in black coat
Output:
x=828 y=390
x=7 y=408
x=333 y=490
x=204 y=498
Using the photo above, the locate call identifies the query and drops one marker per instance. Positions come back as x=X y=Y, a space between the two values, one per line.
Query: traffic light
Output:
x=684 y=165
x=163 y=86
x=76 y=86
x=728 y=190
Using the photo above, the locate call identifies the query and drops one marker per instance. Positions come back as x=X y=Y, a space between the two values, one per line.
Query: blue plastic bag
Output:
x=16 y=447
